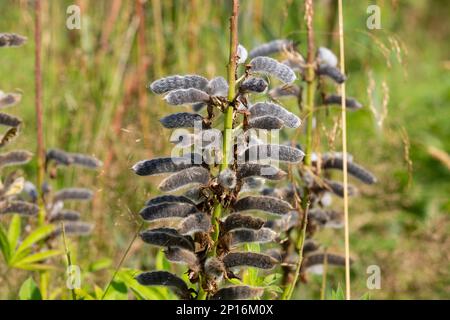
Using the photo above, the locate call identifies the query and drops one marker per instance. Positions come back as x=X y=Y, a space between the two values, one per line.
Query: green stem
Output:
x=69 y=259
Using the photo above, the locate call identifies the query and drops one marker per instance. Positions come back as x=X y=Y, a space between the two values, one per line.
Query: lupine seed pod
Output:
x=76 y=228
x=310 y=246
x=168 y=199
x=197 y=195
x=86 y=161
x=274 y=68
x=285 y=223
x=194 y=223
x=9 y=120
x=353 y=169
x=239 y=221
x=166 y=165
x=19 y=207
x=186 y=177
x=338 y=189
x=9 y=99
x=275 y=152
x=11 y=40
x=30 y=190
x=167 y=210
x=326 y=56
x=249 y=259
x=238 y=293
x=73 y=194
x=253 y=84
x=227 y=178
x=9 y=136
x=327 y=218
x=350 y=103
x=246 y=170
x=266 y=123
x=332 y=73
x=186 y=96
x=181 y=120
x=252 y=183
x=178 y=82
x=59 y=156
x=296 y=64
x=164 y=278
x=165 y=237
x=183 y=256
x=271 y=109
x=285 y=91
x=319 y=258
x=263 y=203
x=217 y=86
x=214 y=268
x=65 y=215
x=14 y=158
x=262 y=235
x=272 y=47
x=242 y=54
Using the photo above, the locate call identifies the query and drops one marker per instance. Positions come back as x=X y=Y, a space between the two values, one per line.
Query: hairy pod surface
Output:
x=164 y=278
x=238 y=221
x=263 y=203
x=9 y=120
x=237 y=293
x=178 y=82
x=272 y=47
x=167 y=210
x=261 y=109
x=246 y=170
x=73 y=194
x=326 y=56
x=332 y=73
x=14 y=158
x=262 y=235
x=181 y=120
x=275 y=152
x=217 y=86
x=253 y=84
x=249 y=259
x=350 y=103
x=19 y=207
x=266 y=123
x=285 y=91
x=11 y=40
x=166 y=237
x=183 y=256
x=76 y=228
x=227 y=178
x=65 y=215
x=198 y=222
x=166 y=165
x=272 y=67
x=186 y=96
x=9 y=99
x=186 y=177
x=168 y=198
x=353 y=169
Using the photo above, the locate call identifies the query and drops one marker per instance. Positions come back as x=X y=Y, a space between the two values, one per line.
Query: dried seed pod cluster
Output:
x=185 y=222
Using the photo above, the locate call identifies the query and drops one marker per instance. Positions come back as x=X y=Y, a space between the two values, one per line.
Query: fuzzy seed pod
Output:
x=65 y=215
x=77 y=228
x=9 y=136
x=178 y=82
x=14 y=158
x=164 y=278
x=238 y=293
x=261 y=109
x=73 y=194
x=262 y=235
x=214 y=268
x=186 y=96
x=19 y=207
x=30 y=189
x=59 y=156
x=246 y=170
x=326 y=218
x=168 y=199
x=11 y=40
x=266 y=123
x=9 y=120
x=253 y=85
x=9 y=99
x=86 y=161
x=183 y=256
x=326 y=56
x=274 y=68
x=332 y=73
x=353 y=169
x=276 y=152
x=285 y=223
x=252 y=183
x=272 y=47
x=197 y=195
x=217 y=86
x=239 y=221
x=181 y=120
x=338 y=189
x=166 y=237
x=310 y=246
x=249 y=259
x=227 y=178
x=263 y=203
x=199 y=222
x=314 y=262
x=166 y=165
x=176 y=181
x=350 y=103
x=167 y=210
x=285 y=91
x=242 y=54
x=297 y=63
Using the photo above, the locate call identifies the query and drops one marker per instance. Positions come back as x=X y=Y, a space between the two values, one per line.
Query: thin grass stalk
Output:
x=228 y=119
x=40 y=153
x=309 y=107
x=344 y=154
x=68 y=257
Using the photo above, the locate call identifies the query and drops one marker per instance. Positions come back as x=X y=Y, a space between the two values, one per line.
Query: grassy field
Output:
x=95 y=102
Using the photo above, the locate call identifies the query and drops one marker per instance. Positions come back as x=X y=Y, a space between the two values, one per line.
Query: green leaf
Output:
x=36 y=236
x=365 y=296
x=29 y=290
x=36 y=257
x=14 y=231
x=100 y=264
x=4 y=245
x=117 y=291
x=36 y=267
x=338 y=294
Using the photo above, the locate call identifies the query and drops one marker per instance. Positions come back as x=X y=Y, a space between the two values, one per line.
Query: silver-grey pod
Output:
x=263 y=203
x=261 y=109
x=272 y=67
x=175 y=82
x=183 y=178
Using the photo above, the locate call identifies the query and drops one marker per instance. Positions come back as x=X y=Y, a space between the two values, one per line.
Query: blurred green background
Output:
x=95 y=102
